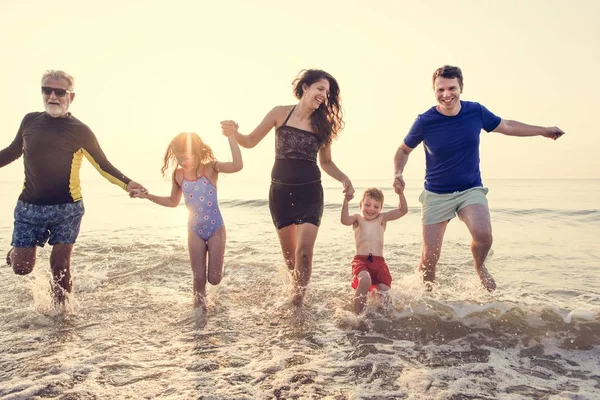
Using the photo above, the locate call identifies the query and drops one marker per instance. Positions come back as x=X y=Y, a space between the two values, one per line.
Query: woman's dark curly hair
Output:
x=327 y=119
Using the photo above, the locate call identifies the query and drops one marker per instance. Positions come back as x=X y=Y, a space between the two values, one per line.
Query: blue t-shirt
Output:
x=452 y=146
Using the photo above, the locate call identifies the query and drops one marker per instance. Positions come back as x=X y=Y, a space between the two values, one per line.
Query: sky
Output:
x=145 y=71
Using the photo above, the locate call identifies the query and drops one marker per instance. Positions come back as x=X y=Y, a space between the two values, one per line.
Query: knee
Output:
x=364 y=281
x=304 y=255
x=199 y=277
x=483 y=238
x=215 y=279
x=21 y=268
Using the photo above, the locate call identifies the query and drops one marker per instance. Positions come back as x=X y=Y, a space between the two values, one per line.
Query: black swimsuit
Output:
x=296 y=193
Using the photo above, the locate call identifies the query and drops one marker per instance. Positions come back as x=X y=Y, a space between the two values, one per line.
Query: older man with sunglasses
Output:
x=50 y=207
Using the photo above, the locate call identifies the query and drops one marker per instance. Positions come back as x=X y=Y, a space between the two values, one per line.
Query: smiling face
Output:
x=447 y=93
x=370 y=208
x=57 y=106
x=186 y=160
x=316 y=94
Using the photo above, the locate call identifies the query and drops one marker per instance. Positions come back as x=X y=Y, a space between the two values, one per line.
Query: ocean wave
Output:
x=586 y=214
x=590 y=214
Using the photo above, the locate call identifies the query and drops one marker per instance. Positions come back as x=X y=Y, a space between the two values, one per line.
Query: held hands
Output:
x=399 y=184
x=229 y=127
x=134 y=186
x=553 y=133
x=138 y=193
x=348 y=189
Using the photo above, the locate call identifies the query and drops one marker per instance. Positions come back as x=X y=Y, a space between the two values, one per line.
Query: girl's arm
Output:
x=232 y=166
x=332 y=170
x=258 y=134
x=398 y=212
x=346 y=219
x=167 y=201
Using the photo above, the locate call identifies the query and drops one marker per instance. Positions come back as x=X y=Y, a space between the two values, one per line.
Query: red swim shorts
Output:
x=375 y=266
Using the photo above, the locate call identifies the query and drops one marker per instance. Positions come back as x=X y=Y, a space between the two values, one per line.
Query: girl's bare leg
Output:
x=197 y=248
x=216 y=253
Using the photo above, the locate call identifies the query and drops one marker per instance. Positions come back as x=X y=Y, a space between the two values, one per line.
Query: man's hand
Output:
x=138 y=193
x=399 y=184
x=553 y=133
x=132 y=185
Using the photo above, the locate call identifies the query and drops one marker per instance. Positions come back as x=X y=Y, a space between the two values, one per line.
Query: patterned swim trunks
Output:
x=35 y=224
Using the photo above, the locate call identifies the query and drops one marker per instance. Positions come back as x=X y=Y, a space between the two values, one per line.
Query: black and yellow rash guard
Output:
x=53 y=149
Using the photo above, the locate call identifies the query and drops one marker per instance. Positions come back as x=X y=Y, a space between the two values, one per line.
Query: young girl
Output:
x=195 y=177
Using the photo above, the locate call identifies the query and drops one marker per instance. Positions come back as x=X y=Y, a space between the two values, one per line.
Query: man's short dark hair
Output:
x=449 y=72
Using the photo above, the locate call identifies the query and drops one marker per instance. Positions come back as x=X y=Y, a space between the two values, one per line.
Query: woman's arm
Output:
x=258 y=134
x=332 y=170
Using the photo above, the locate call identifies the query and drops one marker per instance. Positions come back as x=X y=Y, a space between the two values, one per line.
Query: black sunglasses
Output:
x=47 y=90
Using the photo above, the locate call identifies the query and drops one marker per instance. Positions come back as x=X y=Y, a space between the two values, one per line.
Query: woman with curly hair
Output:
x=302 y=131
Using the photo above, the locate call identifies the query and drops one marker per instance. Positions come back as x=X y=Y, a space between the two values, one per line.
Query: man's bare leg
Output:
x=22 y=259
x=433 y=237
x=477 y=219
x=60 y=264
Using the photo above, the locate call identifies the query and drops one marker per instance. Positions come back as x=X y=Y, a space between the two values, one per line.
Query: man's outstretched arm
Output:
x=516 y=128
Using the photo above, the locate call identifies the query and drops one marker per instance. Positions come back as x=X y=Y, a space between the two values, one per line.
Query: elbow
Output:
x=401 y=154
x=345 y=221
x=246 y=142
x=324 y=164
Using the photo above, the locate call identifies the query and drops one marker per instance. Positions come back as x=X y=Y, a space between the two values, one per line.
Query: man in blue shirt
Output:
x=450 y=134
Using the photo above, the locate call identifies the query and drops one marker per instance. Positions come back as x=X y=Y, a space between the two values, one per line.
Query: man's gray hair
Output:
x=55 y=74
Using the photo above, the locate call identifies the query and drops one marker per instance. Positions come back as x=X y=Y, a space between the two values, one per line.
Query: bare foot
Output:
x=59 y=295
x=297 y=295
x=200 y=301
x=429 y=285
x=297 y=299
x=8 y=256
x=486 y=279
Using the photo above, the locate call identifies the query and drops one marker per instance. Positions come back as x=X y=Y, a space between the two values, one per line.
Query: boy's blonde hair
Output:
x=373 y=193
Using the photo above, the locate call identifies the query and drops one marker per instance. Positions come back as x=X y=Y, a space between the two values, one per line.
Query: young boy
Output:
x=368 y=266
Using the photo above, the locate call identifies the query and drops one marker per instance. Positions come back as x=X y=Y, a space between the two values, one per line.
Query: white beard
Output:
x=55 y=110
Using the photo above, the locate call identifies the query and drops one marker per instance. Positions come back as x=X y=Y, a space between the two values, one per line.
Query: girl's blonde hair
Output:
x=188 y=144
